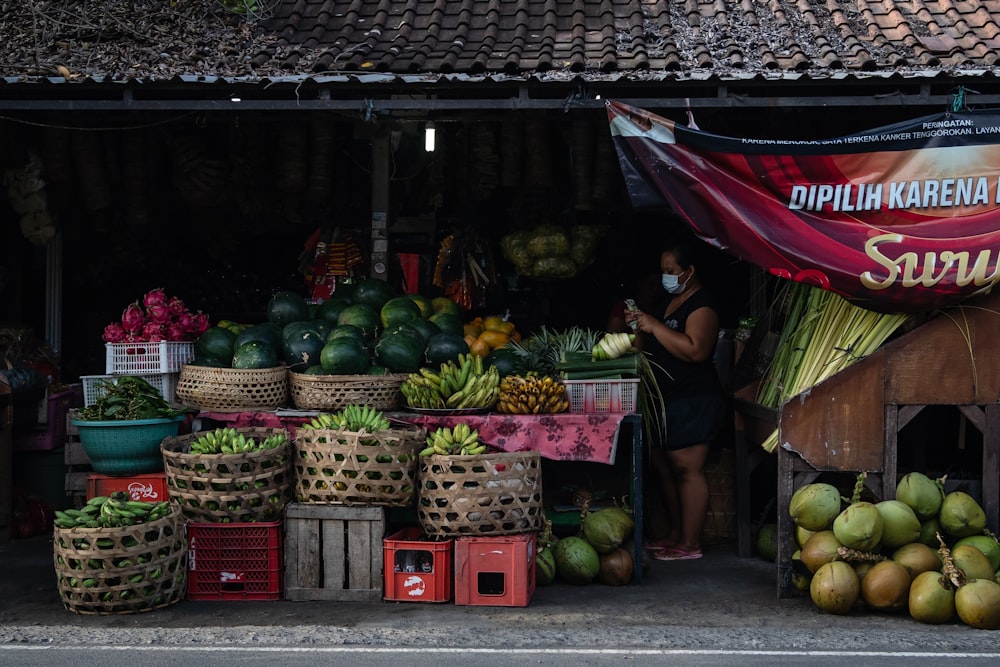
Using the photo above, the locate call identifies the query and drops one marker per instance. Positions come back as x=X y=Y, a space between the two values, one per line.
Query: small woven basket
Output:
x=488 y=494
x=333 y=392
x=232 y=389
x=357 y=468
x=123 y=570
x=228 y=488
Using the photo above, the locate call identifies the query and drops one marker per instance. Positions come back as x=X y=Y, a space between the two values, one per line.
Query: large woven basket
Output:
x=122 y=570
x=333 y=392
x=232 y=389
x=352 y=468
x=488 y=494
x=228 y=488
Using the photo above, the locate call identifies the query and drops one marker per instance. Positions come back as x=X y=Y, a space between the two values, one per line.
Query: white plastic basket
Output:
x=147 y=358
x=602 y=395
x=93 y=388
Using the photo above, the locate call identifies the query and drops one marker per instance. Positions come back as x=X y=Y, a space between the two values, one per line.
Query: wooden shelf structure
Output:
x=852 y=421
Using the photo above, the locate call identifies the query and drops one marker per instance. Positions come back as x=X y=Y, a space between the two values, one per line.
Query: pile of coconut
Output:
x=927 y=552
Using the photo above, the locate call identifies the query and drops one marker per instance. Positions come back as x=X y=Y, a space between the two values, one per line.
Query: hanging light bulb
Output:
x=429 y=132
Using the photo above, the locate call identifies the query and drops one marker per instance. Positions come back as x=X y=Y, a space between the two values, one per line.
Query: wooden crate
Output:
x=334 y=552
x=77 y=462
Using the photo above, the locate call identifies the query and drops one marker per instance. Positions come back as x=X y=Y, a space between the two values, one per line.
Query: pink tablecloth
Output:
x=563 y=437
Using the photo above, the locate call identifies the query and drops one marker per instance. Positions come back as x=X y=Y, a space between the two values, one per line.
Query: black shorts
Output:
x=692 y=420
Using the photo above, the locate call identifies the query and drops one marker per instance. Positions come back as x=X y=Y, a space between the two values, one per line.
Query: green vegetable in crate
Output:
x=354 y=418
x=460 y=439
x=113 y=511
x=127 y=397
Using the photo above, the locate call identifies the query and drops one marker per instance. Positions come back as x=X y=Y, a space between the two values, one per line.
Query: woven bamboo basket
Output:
x=487 y=494
x=232 y=389
x=228 y=488
x=357 y=468
x=123 y=570
x=333 y=392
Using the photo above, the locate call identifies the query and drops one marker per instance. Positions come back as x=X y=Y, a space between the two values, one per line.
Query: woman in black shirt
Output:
x=680 y=334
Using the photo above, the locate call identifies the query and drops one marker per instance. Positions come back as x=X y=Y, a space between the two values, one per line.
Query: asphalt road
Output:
x=718 y=610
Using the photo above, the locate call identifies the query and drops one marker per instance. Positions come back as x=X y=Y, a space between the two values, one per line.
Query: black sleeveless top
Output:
x=687 y=378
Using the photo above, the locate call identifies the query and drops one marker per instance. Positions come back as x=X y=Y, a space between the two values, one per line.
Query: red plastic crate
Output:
x=495 y=571
x=151 y=487
x=416 y=569
x=234 y=561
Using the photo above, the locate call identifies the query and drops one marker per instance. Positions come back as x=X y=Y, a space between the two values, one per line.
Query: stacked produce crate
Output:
x=232 y=485
x=490 y=503
x=158 y=363
x=350 y=467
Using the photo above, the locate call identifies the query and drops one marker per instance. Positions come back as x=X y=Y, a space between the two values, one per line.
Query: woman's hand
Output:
x=643 y=321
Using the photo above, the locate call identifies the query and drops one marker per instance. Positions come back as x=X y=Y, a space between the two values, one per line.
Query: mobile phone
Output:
x=632 y=308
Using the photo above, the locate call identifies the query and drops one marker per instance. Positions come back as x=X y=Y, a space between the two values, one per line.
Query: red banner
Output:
x=900 y=218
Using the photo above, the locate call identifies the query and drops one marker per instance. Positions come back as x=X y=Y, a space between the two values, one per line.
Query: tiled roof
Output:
x=152 y=41
x=517 y=36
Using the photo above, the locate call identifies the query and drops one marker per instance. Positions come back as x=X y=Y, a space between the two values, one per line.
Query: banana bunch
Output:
x=455 y=386
x=532 y=395
x=112 y=511
x=352 y=418
x=450 y=441
x=612 y=346
x=227 y=440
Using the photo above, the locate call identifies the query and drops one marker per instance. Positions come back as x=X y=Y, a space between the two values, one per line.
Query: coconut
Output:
x=820 y=549
x=900 y=524
x=767 y=542
x=961 y=515
x=988 y=545
x=972 y=561
x=802 y=534
x=545 y=566
x=576 y=560
x=931 y=598
x=929 y=529
x=886 y=587
x=917 y=558
x=978 y=604
x=616 y=567
x=607 y=528
x=814 y=506
x=835 y=587
x=859 y=526
x=862 y=567
x=921 y=493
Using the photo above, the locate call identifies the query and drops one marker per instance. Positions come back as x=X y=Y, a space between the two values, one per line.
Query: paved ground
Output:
x=717 y=602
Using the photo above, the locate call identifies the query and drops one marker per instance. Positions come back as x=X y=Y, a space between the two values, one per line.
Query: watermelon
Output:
x=323 y=327
x=347 y=331
x=445 y=346
x=315 y=369
x=442 y=304
x=373 y=292
x=426 y=328
x=401 y=350
x=423 y=303
x=330 y=310
x=293 y=329
x=448 y=323
x=344 y=356
x=216 y=343
x=265 y=332
x=362 y=316
x=377 y=370
x=255 y=354
x=285 y=307
x=210 y=362
x=398 y=311
x=303 y=350
x=507 y=362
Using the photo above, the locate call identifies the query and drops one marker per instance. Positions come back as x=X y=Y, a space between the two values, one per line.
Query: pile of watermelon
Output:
x=367 y=328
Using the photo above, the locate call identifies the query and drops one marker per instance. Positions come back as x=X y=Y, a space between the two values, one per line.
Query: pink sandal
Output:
x=676 y=553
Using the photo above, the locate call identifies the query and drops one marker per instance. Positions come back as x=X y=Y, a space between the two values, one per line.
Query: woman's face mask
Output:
x=672 y=283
